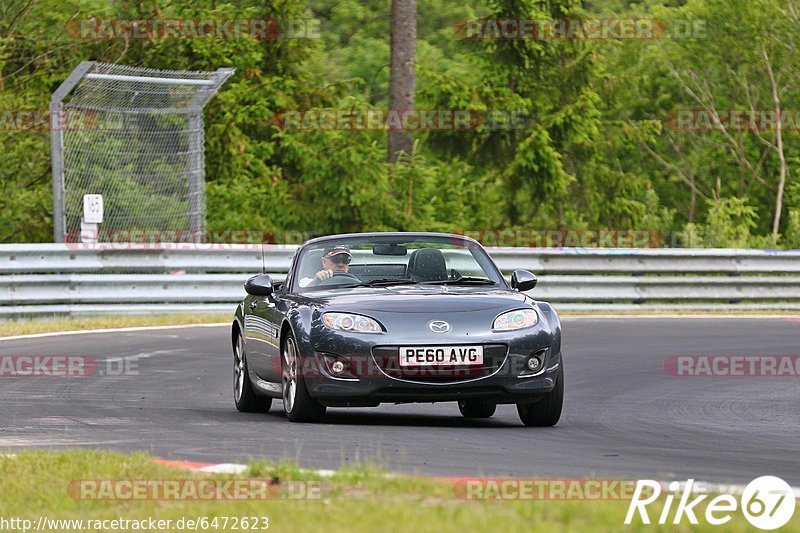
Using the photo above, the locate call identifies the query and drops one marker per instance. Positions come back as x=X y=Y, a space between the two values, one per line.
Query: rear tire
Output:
x=547 y=411
x=298 y=404
x=477 y=408
x=246 y=400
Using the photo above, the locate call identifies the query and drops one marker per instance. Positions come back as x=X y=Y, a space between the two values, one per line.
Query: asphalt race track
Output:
x=625 y=416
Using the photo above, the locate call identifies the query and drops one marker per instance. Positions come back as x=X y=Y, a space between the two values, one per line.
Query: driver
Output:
x=334 y=259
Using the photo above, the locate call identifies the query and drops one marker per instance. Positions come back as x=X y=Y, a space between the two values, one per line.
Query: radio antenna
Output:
x=263 y=260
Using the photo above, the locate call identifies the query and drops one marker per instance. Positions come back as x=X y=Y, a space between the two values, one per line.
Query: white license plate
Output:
x=441 y=355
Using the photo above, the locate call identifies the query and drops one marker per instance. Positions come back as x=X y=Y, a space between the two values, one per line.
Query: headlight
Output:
x=351 y=322
x=519 y=319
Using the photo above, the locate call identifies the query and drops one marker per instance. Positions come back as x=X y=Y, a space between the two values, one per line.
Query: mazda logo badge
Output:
x=438 y=326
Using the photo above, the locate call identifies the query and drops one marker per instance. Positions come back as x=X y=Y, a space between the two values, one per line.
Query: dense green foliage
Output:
x=596 y=149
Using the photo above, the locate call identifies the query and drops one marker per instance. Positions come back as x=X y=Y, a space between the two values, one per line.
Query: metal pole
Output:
x=57 y=162
x=197 y=178
x=148 y=79
x=57 y=146
x=197 y=164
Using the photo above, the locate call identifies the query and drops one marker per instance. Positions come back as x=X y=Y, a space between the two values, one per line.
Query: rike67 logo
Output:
x=767 y=502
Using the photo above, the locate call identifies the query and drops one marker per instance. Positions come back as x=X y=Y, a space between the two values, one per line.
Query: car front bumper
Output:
x=377 y=390
x=368 y=381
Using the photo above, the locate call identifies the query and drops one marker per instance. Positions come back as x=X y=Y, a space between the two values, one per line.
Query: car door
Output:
x=263 y=319
x=260 y=333
x=272 y=314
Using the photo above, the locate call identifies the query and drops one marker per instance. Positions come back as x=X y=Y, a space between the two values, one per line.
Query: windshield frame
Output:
x=480 y=254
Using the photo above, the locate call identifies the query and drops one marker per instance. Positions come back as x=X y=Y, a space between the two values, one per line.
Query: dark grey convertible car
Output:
x=364 y=319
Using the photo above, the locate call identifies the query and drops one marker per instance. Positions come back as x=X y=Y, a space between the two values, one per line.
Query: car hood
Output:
x=418 y=299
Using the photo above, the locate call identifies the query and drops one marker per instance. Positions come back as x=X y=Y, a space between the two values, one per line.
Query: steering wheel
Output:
x=344 y=275
x=333 y=281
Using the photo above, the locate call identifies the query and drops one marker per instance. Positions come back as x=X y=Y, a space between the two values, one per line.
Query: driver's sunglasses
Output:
x=340 y=259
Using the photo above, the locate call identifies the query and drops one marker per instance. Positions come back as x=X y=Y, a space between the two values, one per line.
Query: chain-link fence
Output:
x=135 y=136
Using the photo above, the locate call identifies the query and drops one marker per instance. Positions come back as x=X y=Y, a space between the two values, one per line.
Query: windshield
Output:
x=394 y=260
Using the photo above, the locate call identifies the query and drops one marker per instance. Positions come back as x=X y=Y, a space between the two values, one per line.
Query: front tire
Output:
x=298 y=404
x=477 y=408
x=246 y=400
x=547 y=411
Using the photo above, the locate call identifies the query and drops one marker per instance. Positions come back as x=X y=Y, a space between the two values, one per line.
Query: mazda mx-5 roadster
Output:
x=370 y=318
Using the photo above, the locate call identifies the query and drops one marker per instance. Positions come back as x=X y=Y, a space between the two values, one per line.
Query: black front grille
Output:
x=388 y=359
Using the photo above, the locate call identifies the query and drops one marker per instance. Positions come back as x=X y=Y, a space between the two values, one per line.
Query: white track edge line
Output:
x=111 y=330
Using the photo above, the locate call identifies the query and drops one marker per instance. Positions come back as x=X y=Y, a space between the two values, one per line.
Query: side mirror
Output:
x=522 y=280
x=260 y=285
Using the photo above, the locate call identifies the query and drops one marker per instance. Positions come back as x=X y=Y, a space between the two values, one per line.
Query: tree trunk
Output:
x=776 y=221
x=402 y=81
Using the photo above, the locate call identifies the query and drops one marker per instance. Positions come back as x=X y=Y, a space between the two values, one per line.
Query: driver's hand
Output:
x=323 y=274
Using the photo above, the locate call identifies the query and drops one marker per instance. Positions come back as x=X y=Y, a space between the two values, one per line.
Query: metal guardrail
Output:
x=48 y=279
x=128 y=258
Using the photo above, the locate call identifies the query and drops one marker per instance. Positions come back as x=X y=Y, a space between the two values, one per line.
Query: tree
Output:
x=402 y=77
x=744 y=66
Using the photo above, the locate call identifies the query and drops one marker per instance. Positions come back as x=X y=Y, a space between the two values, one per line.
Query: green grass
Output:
x=27 y=327
x=360 y=498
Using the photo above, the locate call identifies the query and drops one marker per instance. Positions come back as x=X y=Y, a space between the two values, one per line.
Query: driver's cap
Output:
x=337 y=250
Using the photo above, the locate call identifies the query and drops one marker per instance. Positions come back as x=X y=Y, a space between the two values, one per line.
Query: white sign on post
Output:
x=92 y=216
x=93 y=208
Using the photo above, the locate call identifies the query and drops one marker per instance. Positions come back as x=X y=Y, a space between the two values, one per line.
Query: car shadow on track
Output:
x=347 y=417
x=359 y=417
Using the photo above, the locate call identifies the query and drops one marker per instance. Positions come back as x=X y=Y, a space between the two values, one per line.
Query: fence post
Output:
x=57 y=146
